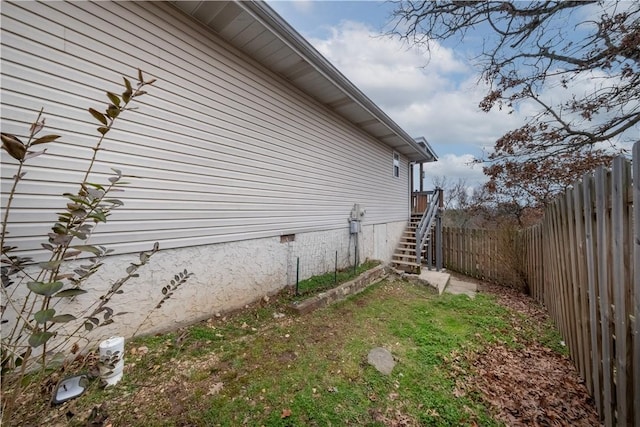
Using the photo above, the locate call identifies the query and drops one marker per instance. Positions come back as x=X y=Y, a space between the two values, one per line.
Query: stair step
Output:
x=404 y=259
x=405 y=254
x=409 y=263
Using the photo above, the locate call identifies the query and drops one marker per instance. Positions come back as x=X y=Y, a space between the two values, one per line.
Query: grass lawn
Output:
x=257 y=367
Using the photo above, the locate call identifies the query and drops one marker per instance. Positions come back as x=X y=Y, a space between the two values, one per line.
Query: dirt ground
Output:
x=531 y=387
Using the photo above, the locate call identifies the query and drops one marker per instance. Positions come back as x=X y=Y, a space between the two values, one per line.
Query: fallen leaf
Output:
x=215 y=389
x=285 y=413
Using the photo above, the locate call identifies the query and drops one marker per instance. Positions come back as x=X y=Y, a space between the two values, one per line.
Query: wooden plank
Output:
x=531 y=261
x=540 y=267
x=454 y=245
x=620 y=178
x=495 y=264
x=554 y=279
x=564 y=268
x=579 y=217
x=460 y=250
x=560 y=270
x=533 y=245
x=476 y=236
x=602 y=215
x=577 y=325
x=467 y=251
x=445 y=247
x=591 y=260
x=559 y=274
x=535 y=264
x=481 y=257
x=546 y=256
x=454 y=250
x=471 y=236
x=636 y=282
x=537 y=267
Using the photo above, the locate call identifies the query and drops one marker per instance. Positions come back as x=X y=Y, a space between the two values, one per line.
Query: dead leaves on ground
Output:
x=529 y=386
x=285 y=413
x=532 y=386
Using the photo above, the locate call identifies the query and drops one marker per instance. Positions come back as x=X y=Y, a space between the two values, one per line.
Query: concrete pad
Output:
x=459 y=287
x=437 y=279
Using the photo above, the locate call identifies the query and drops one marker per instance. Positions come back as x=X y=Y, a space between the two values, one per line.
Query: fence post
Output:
x=636 y=285
x=439 y=229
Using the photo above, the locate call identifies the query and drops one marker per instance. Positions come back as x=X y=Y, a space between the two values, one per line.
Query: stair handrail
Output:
x=425 y=224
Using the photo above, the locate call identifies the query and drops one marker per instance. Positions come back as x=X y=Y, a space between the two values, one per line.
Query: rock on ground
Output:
x=382 y=360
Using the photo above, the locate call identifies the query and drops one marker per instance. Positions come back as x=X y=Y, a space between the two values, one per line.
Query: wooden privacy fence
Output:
x=583 y=263
x=491 y=255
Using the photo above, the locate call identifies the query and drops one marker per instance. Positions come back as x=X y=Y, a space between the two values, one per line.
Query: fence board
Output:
x=594 y=313
x=601 y=181
x=619 y=225
x=568 y=249
x=575 y=315
x=580 y=279
x=635 y=273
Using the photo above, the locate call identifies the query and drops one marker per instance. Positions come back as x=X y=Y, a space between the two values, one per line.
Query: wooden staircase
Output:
x=404 y=258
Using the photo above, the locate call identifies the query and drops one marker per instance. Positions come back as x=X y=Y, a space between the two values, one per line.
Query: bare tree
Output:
x=455 y=193
x=586 y=52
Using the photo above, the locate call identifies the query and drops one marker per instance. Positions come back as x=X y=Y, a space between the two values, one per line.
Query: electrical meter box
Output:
x=354 y=227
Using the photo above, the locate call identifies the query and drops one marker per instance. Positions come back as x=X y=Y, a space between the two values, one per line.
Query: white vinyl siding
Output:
x=219 y=150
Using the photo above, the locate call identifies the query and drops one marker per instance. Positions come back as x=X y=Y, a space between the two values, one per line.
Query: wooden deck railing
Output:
x=420 y=200
x=583 y=263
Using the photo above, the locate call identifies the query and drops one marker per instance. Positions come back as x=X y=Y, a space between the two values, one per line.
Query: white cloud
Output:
x=433 y=96
x=456 y=167
x=384 y=68
x=436 y=97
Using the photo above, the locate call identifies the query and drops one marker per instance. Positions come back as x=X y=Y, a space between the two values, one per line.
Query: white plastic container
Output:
x=112 y=360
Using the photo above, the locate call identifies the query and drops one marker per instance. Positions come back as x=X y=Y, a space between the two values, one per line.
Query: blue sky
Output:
x=436 y=97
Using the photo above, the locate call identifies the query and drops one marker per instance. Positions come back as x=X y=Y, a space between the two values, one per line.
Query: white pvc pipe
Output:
x=112 y=360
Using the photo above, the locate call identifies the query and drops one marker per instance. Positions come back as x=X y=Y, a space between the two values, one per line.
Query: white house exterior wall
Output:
x=224 y=156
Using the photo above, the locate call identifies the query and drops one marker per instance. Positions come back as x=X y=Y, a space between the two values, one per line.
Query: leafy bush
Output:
x=37 y=329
